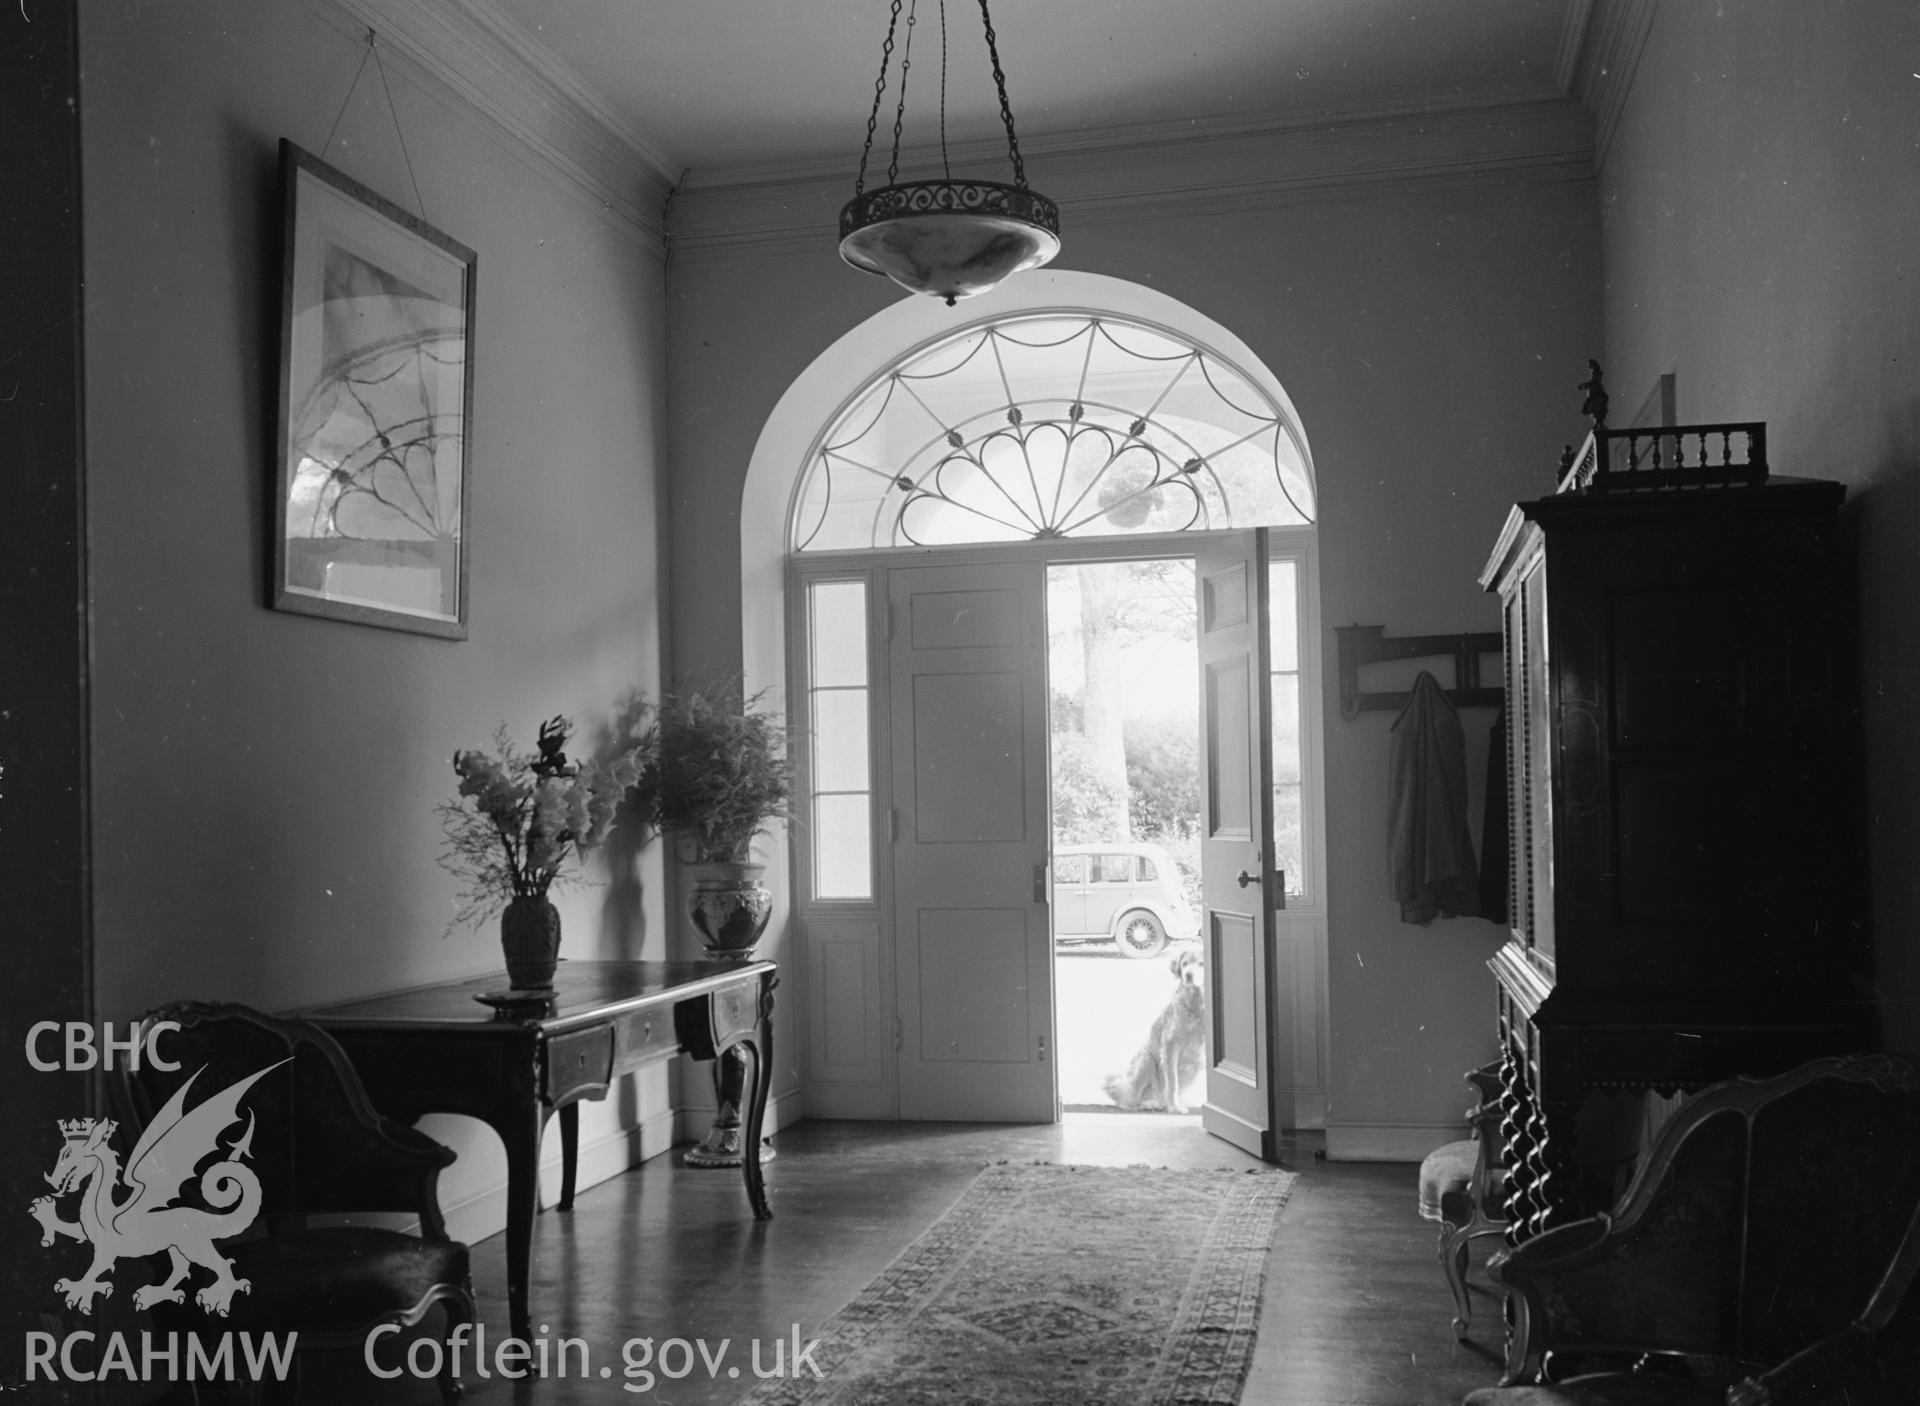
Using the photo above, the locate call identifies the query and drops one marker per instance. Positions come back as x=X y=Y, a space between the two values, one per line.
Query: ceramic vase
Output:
x=530 y=937
x=729 y=908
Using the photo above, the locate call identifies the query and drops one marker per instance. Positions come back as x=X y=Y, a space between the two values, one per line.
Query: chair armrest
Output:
x=411 y=1167
x=1485 y=1082
x=357 y=1158
x=1597 y=1287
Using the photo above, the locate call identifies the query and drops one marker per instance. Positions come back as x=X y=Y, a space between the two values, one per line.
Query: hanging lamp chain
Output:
x=1006 y=112
x=946 y=166
x=900 y=112
x=879 y=92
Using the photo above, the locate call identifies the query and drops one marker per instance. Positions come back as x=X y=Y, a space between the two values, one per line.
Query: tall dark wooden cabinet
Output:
x=1678 y=786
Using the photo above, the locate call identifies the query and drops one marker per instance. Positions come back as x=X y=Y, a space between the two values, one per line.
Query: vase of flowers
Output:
x=717 y=775
x=518 y=820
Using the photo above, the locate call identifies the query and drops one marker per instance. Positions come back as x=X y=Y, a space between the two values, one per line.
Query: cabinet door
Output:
x=1513 y=626
x=1532 y=741
x=1690 y=764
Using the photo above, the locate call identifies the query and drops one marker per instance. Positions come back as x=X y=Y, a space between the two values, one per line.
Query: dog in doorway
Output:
x=1170 y=1059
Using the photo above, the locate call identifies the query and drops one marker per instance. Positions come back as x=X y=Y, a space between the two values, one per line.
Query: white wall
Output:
x=263 y=783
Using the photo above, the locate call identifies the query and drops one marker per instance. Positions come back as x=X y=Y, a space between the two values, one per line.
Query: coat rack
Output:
x=1361 y=645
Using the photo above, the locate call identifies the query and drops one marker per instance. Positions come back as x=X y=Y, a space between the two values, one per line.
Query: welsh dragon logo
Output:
x=144 y=1222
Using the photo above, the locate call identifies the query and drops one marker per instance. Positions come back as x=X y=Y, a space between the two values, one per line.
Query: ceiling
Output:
x=733 y=86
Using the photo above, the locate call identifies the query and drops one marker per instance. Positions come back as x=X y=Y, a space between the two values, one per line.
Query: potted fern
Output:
x=717 y=776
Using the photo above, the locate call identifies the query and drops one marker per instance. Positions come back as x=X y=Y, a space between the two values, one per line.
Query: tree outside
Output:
x=1125 y=708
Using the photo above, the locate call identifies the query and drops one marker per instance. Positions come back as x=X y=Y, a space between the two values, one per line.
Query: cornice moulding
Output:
x=1573 y=39
x=478 y=57
x=1129 y=143
x=481 y=60
x=1209 y=172
x=1614 y=41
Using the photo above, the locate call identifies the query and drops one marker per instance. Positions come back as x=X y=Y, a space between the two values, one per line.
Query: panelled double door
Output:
x=968 y=840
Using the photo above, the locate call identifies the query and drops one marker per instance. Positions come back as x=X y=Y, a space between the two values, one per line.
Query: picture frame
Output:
x=374 y=419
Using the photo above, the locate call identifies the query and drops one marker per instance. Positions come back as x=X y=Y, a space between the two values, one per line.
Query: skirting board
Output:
x=859 y=1102
x=1388 y=1142
x=1310 y=1110
x=485 y=1212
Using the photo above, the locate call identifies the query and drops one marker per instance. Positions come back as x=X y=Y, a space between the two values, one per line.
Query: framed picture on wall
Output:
x=375 y=410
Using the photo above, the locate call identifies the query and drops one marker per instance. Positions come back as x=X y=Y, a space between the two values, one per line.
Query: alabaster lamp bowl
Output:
x=951 y=239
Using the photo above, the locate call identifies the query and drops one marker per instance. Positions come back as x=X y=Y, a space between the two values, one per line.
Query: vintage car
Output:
x=1121 y=892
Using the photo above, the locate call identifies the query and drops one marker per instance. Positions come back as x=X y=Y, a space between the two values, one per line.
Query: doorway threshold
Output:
x=1107 y=1112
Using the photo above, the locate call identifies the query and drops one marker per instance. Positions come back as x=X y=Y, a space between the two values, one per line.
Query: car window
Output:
x=1148 y=874
x=1070 y=869
x=1113 y=868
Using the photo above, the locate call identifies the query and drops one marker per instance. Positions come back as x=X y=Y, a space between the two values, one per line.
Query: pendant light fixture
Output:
x=950 y=238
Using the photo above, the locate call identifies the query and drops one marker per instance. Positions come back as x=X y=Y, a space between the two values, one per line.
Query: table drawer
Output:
x=736 y=1012
x=579 y=1062
x=640 y=1037
x=719 y=1018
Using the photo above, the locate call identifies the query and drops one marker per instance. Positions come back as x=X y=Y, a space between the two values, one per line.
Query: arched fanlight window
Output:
x=1052 y=425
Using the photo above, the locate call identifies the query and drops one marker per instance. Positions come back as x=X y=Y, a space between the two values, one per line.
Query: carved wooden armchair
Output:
x=1463 y=1187
x=306 y=1134
x=1762 y=1256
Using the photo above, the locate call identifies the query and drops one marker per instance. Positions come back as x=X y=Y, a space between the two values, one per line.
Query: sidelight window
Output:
x=840 y=802
x=1289 y=781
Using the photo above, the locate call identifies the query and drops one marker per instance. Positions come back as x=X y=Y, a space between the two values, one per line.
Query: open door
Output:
x=1248 y=1061
x=973 y=946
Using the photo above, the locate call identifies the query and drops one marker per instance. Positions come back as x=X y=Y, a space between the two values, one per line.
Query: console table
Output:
x=436 y=1049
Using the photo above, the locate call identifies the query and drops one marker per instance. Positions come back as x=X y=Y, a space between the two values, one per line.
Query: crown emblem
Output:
x=76 y=1129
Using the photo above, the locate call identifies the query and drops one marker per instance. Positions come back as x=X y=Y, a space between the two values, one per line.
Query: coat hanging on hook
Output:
x=1429 y=847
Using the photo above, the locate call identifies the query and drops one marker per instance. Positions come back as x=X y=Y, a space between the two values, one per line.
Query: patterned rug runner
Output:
x=1121 y=1286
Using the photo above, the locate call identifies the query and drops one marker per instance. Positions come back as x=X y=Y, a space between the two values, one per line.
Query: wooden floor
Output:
x=1356 y=1310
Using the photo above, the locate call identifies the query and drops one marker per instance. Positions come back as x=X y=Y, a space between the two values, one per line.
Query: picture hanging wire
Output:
x=373 y=52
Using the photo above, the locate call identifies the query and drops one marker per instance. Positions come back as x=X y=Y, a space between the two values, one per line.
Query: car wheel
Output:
x=1140 y=935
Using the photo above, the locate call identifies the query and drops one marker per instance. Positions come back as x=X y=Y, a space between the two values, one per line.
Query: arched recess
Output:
x=848 y=366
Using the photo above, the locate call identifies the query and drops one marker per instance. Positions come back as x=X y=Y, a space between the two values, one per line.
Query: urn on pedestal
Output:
x=717 y=777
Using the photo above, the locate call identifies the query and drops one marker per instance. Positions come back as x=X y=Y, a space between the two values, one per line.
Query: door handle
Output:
x=1243 y=878
x=1040 y=883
